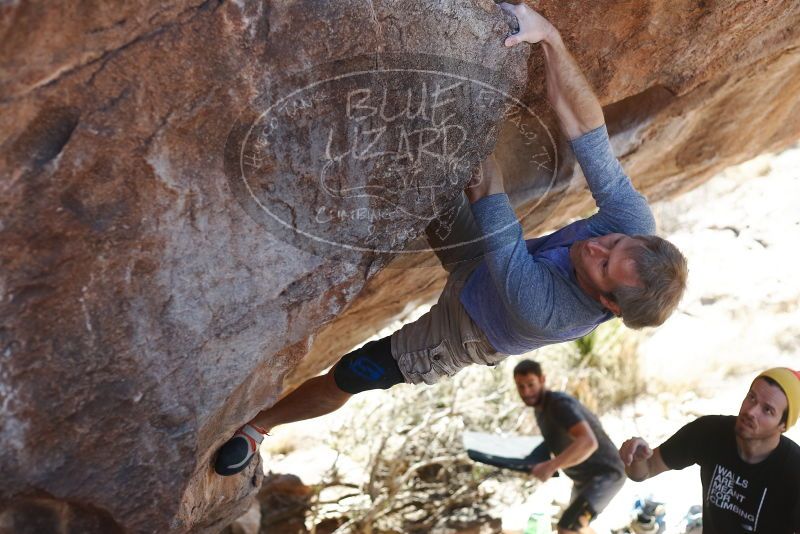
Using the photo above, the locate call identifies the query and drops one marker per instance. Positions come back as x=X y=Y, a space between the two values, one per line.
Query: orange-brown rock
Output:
x=164 y=270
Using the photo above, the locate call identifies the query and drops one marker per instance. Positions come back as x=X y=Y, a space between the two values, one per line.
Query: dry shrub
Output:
x=418 y=477
x=600 y=369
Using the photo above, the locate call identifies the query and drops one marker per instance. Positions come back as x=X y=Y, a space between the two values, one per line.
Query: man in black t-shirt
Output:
x=749 y=470
x=580 y=445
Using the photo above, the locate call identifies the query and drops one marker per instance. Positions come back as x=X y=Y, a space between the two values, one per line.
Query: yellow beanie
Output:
x=789 y=381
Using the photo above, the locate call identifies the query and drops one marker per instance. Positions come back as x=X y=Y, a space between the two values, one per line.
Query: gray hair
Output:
x=663 y=271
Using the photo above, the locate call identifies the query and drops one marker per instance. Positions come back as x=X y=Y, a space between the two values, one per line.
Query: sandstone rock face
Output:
x=145 y=313
x=204 y=203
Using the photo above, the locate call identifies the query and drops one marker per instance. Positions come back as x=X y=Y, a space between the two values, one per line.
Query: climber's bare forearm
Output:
x=568 y=91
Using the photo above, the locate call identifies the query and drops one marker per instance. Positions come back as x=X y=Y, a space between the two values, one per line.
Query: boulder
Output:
x=205 y=203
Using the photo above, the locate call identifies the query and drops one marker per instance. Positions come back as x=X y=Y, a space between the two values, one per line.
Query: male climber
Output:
x=504 y=295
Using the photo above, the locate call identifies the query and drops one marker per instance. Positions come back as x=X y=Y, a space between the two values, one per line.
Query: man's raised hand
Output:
x=486 y=180
x=532 y=26
x=635 y=450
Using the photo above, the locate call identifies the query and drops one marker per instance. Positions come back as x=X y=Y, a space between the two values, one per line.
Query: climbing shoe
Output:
x=237 y=452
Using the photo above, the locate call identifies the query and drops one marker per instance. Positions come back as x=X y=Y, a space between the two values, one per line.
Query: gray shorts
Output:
x=446 y=339
x=590 y=498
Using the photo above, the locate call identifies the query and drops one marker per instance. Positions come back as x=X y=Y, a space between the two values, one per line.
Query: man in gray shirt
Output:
x=504 y=294
x=580 y=447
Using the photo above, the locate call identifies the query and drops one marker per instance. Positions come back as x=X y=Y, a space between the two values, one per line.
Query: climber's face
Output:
x=603 y=264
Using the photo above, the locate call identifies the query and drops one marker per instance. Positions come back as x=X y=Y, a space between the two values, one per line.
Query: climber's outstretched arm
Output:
x=569 y=93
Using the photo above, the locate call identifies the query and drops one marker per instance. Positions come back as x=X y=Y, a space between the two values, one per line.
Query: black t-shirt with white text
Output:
x=738 y=497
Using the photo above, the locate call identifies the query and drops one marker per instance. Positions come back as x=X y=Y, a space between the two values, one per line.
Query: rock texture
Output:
x=150 y=303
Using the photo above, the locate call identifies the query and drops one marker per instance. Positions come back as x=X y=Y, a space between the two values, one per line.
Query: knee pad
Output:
x=369 y=367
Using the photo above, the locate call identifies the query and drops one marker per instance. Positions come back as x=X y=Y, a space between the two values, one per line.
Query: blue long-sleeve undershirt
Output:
x=524 y=295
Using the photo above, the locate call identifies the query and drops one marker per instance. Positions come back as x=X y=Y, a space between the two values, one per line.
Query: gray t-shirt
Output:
x=559 y=413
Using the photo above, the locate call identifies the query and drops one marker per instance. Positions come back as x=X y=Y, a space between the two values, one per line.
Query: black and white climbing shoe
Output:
x=237 y=452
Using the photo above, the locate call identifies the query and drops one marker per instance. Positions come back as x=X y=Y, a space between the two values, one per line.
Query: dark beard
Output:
x=537 y=401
